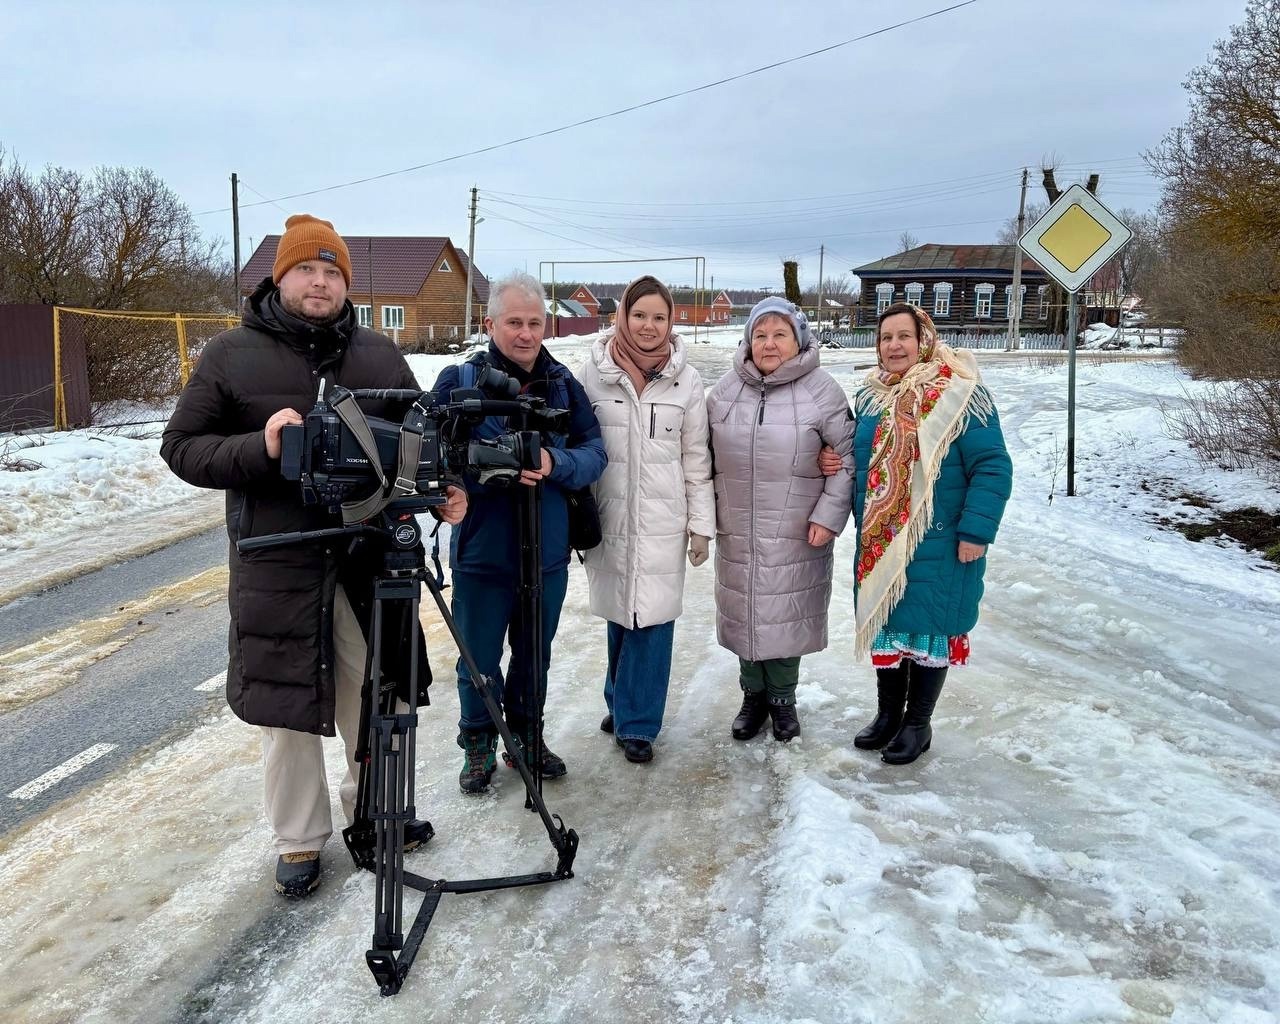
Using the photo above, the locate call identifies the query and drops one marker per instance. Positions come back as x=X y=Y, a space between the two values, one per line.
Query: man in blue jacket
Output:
x=484 y=551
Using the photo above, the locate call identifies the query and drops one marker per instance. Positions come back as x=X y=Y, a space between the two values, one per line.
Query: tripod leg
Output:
x=529 y=618
x=359 y=835
x=391 y=770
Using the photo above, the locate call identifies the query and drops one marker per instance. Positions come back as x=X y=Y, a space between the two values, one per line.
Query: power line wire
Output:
x=613 y=113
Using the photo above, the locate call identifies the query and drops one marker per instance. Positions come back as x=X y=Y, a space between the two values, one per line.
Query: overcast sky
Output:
x=922 y=128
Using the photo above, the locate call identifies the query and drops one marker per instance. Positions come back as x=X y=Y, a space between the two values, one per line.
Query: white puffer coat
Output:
x=656 y=489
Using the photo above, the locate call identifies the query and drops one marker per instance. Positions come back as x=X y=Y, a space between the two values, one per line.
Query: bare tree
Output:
x=1138 y=259
x=144 y=240
x=1008 y=233
x=118 y=239
x=907 y=241
x=44 y=245
x=836 y=288
x=1218 y=263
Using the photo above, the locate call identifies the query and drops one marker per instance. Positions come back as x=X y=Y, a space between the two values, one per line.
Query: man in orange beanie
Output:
x=300 y=614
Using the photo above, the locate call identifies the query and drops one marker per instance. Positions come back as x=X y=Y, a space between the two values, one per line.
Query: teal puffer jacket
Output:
x=970 y=493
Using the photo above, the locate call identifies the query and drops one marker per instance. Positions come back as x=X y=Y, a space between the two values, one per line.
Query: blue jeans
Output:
x=485 y=610
x=635 y=688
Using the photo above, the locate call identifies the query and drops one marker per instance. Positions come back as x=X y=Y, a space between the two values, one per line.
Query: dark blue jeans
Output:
x=484 y=608
x=635 y=687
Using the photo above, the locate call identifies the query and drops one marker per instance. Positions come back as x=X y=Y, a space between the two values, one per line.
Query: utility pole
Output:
x=235 y=233
x=1015 y=294
x=471 y=262
x=822 y=251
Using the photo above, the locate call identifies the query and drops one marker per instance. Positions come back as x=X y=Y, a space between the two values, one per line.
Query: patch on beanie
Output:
x=328 y=254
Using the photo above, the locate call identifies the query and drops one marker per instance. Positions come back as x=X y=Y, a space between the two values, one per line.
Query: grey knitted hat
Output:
x=776 y=305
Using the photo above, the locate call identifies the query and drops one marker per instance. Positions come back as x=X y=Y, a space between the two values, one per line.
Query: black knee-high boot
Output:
x=891 y=698
x=913 y=739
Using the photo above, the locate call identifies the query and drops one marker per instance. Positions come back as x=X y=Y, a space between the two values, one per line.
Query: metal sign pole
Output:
x=1072 y=329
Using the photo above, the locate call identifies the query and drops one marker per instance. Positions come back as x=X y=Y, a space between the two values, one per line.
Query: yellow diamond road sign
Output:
x=1074 y=238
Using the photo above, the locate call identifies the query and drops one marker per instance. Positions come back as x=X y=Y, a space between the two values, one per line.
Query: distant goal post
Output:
x=699 y=278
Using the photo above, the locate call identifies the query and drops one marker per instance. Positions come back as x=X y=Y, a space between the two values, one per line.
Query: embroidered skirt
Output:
x=932 y=650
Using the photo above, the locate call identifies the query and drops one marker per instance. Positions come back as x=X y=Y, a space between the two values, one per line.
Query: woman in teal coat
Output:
x=932 y=479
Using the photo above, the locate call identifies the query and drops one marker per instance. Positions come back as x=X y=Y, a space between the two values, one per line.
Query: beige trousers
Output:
x=297 y=792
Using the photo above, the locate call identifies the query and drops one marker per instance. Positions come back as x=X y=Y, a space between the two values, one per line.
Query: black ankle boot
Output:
x=913 y=739
x=752 y=714
x=891 y=696
x=786 y=726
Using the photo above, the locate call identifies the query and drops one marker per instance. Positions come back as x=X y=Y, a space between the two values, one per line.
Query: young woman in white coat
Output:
x=656 y=504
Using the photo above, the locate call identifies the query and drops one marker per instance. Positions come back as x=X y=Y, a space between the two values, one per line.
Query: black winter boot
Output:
x=752 y=714
x=891 y=695
x=553 y=766
x=786 y=726
x=297 y=874
x=913 y=739
x=636 y=751
x=417 y=833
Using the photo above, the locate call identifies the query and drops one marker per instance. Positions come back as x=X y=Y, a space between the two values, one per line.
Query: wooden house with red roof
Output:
x=411 y=288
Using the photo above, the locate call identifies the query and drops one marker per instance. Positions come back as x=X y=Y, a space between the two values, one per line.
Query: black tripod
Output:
x=386 y=752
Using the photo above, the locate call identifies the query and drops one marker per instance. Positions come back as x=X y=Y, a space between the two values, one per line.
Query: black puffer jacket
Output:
x=281 y=671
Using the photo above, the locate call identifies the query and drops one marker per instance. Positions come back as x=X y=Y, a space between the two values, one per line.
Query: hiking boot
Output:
x=786 y=726
x=297 y=874
x=752 y=715
x=552 y=766
x=417 y=833
x=606 y=723
x=479 y=760
x=637 y=751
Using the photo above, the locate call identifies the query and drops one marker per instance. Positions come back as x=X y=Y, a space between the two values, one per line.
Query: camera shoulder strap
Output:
x=410 y=449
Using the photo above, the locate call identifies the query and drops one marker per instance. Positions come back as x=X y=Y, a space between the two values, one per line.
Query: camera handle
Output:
x=384 y=801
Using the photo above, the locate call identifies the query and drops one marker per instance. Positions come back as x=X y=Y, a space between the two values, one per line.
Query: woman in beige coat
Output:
x=655 y=502
x=777 y=516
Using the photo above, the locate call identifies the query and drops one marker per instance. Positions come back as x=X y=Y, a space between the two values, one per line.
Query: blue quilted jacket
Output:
x=970 y=493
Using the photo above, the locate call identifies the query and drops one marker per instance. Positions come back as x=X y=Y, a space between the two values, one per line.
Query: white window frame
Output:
x=1044 y=301
x=942 y=298
x=983 y=299
x=918 y=288
x=1022 y=299
x=393 y=318
x=684 y=314
x=364 y=316
x=884 y=297
x=444 y=267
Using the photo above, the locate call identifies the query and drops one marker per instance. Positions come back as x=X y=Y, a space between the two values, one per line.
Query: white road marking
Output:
x=55 y=775
x=213 y=683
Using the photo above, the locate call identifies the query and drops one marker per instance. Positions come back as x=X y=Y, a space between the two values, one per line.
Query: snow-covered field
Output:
x=1091 y=839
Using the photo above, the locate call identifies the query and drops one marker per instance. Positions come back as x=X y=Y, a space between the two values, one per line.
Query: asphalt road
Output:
x=135 y=699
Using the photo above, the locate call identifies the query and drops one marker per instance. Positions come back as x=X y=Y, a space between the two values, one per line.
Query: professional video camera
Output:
x=337 y=452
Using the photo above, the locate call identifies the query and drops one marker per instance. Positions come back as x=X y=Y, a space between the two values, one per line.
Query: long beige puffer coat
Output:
x=772 y=588
x=656 y=489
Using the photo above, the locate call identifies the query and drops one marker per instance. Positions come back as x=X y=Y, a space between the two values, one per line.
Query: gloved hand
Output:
x=699 y=549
